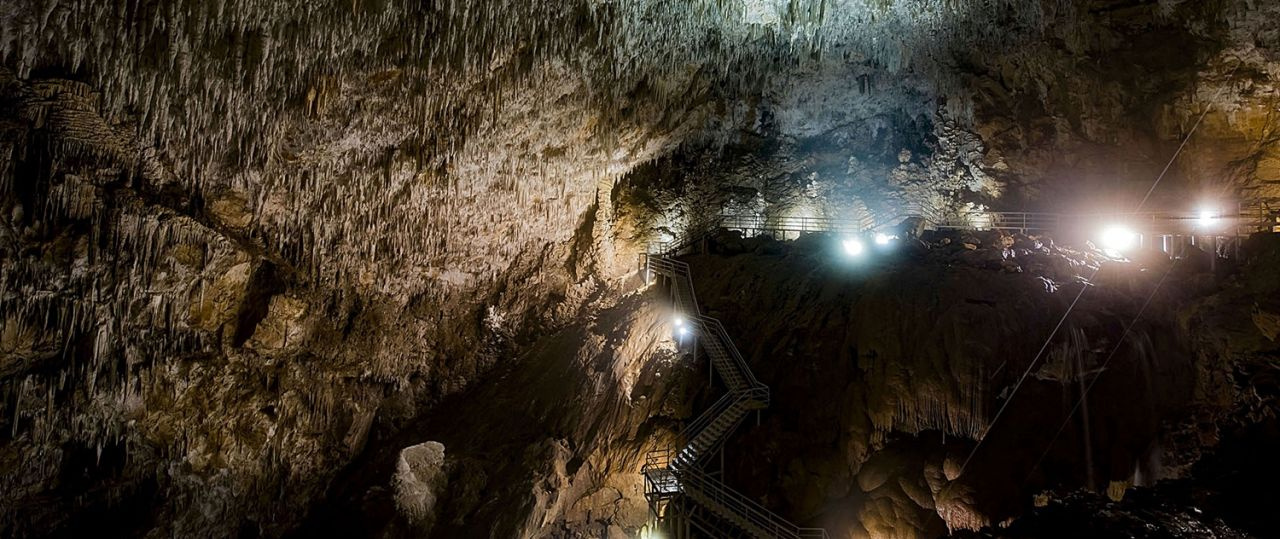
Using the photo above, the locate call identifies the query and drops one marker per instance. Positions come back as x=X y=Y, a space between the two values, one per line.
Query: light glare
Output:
x=1118 y=238
x=852 y=246
x=647 y=533
x=882 y=239
x=1206 y=218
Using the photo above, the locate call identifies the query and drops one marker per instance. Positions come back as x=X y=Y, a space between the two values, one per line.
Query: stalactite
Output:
x=464 y=42
x=356 y=158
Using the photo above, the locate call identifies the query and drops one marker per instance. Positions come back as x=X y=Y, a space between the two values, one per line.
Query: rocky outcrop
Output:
x=158 y=347
x=418 y=482
x=548 y=445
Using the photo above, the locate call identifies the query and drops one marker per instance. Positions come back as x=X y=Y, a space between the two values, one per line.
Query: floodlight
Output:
x=1118 y=238
x=1207 y=218
x=852 y=246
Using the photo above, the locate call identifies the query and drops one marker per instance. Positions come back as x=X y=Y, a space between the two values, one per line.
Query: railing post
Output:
x=711 y=371
x=679 y=482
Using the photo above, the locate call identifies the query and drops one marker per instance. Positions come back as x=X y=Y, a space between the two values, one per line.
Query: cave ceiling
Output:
x=320 y=219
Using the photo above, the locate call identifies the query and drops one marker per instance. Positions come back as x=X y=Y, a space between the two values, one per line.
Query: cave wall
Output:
x=1102 y=107
x=1082 y=118
x=242 y=238
x=548 y=445
x=215 y=366
x=243 y=241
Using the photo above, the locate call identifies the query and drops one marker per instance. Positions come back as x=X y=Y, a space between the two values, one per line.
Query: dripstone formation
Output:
x=370 y=268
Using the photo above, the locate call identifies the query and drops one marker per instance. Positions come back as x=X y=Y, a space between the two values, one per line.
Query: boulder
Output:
x=419 y=481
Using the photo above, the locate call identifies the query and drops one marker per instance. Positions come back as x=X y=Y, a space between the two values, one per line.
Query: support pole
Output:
x=1213 y=254
x=711 y=371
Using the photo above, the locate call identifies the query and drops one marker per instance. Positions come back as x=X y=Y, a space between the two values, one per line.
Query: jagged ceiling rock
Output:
x=321 y=121
x=243 y=238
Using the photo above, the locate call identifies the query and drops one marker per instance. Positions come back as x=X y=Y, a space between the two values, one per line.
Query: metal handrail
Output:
x=743 y=506
x=676 y=268
x=666 y=469
x=792 y=224
x=733 y=350
x=731 y=372
x=680 y=270
x=1264 y=211
x=691 y=454
x=1251 y=216
x=1043 y=221
x=707 y=227
x=708 y=416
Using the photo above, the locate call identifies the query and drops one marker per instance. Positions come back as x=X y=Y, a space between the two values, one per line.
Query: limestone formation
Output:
x=253 y=253
x=420 y=481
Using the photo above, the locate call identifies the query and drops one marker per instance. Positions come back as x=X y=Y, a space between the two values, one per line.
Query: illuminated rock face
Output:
x=245 y=243
x=419 y=481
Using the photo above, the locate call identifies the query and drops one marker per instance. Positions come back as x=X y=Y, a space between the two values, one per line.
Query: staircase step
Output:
x=747 y=395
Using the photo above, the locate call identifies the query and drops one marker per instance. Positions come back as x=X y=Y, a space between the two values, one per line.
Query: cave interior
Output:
x=882 y=269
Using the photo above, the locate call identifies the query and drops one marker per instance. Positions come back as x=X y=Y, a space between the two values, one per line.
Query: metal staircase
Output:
x=686 y=501
x=682 y=498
